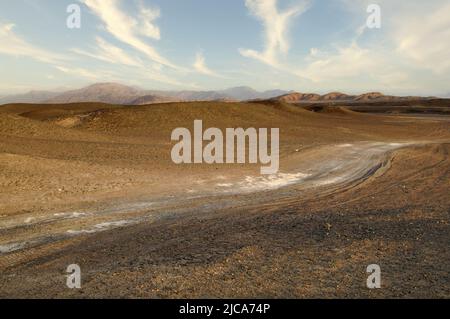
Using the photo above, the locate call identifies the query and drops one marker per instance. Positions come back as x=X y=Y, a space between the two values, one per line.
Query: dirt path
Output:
x=323 y=169
x=316 y=245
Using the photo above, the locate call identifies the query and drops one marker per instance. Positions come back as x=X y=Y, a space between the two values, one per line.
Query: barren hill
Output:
x=103 y=92
x=336 y=96
x=342 y=97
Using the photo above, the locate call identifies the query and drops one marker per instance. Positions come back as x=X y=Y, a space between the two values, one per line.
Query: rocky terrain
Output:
x=94 y=184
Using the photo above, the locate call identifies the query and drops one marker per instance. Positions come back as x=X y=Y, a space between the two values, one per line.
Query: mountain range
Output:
x=114 y=93
x=341 y=97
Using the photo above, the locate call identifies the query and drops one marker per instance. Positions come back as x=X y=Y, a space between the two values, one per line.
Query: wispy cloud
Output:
x=408 y=47
x=354 y=68
x=408 y=54
x=147 y=18
x=128 y=29
x=426 y=43
x=347 y=62
x=418 y=33
x=201 y=67
x=128 y=75
x=13 y=44
x=84 y=73
x=109 y=53
x=276 y=27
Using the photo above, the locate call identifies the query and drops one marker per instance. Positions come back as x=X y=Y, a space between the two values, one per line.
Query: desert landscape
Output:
x=248 y=153
x=361 y=182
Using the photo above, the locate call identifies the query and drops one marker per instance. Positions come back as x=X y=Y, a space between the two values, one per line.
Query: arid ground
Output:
x=94 y=185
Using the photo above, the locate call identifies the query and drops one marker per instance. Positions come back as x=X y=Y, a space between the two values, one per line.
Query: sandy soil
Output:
x=94 y=185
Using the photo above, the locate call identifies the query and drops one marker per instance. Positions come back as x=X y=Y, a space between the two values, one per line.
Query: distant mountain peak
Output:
x=117 y=93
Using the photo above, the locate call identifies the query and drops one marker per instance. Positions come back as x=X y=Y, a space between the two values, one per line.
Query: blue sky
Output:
x=304 y=45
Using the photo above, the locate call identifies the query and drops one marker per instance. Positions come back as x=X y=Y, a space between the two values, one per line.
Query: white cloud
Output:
x=354 y=68
x=147 y=17
x=162 y=78
x=80 y=72
x=110 y=53
x=346 y=62
x=127 y=29
x=425 y=38
x=410 y=53
x=417 y=32
x=126 y=75
x=276 y=26
x=13 y=44
x=201 y=67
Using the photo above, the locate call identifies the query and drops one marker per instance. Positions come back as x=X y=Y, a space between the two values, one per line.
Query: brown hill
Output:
x=342 y=97
x=336 y=96
x=372 y=96
x=152 y=99
x=103 y=92
x=311 y=97
x=298 y=97
x=112 y=93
